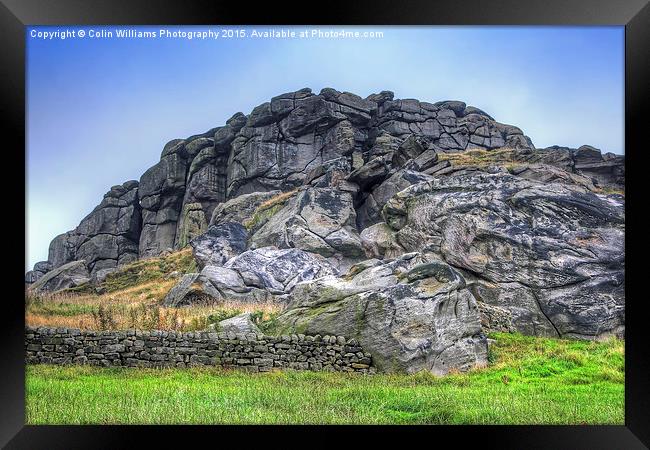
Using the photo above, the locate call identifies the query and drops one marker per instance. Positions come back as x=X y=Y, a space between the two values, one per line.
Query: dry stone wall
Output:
x=251 y=352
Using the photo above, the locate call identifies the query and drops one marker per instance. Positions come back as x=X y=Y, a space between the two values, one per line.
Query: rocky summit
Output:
x=412 y=227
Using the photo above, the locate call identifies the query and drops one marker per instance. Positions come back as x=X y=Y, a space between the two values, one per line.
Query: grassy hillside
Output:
x=131 y=298
x=530 y=381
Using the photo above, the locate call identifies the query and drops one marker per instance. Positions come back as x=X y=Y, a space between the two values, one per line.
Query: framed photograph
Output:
x=413 y=217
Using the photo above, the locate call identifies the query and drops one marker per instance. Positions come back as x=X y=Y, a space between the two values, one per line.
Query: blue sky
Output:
x=100 y=110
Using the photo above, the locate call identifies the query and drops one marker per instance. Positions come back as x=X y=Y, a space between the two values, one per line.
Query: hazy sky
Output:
x=100 y=110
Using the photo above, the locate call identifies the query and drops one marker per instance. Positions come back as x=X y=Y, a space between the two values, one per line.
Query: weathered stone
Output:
x=429 y=324
x=319 y=220
x=240 y=324
x=220 y=243
x=559 y=240
x=240 y=209
x=278 y=270
x=66 y=276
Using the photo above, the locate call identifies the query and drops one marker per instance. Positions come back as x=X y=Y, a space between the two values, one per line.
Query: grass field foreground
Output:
x=529 y=381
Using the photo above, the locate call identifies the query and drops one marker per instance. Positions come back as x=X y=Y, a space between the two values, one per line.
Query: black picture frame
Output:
x=15 y=15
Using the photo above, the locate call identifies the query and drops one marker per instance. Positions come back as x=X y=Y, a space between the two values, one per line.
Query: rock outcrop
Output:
x=413 y=227
x=559 y=243
x=105 y=238
x=69 y=275
x=220 y=243
x=255 y=276
x=413 y=313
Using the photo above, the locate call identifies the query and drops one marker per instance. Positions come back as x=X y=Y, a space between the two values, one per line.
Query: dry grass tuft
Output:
x=267 y=209
x=132 y=298
x=479 y=158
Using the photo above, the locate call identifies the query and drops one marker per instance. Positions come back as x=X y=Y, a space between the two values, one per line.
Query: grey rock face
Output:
x=602 y=170
x=219 y=244
x=605 y=171
x=68 y=275
x=369 y=212
x=241 y=208
x=380 y=241
x=239 y=324
x=107 y=237
x=318 y=220
x=331 y=179
x=192 y=223
x=278 y=270
x=560 y=241
x=190 y=171
x=284 y=139
x=40 y=269
x=295 y=138
x=255 y=276
x=412 y=314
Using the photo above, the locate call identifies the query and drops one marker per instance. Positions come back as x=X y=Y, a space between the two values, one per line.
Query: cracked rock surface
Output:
x=414 y=227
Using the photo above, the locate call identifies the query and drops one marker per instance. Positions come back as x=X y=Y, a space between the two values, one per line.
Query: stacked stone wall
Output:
x=251 y=352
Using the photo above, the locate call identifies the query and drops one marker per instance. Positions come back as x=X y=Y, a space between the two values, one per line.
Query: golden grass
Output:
x=479 y=157
x=610 y=190
x=277 y=199
x=132 y=298
x=135 y=308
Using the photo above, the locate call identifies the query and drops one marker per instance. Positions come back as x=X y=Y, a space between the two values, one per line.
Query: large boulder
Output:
x=414 y=313
x=317 y=220
x=212 y=285
x=605 y=170
x=40 y=269
x=69 y=275
x=279 y=270
x=241 y=208
x=220 y=243
x=561 y=243
x=240 y=324
x=105 y=238
x=189 y=291
x=255 y=276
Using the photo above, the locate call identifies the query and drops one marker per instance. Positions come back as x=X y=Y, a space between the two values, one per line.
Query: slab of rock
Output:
x=317 y=220
x=241 y=208
x=369 y=213
x=190 y=291
x=278 y=270
x=380 y=241
x=563 y=243
x=412 y=314
x=220 y=243
x=240 y=324
x=69 y=275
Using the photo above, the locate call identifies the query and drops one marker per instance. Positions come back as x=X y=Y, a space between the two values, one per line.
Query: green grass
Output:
x=64 y=309
x=530 y=381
